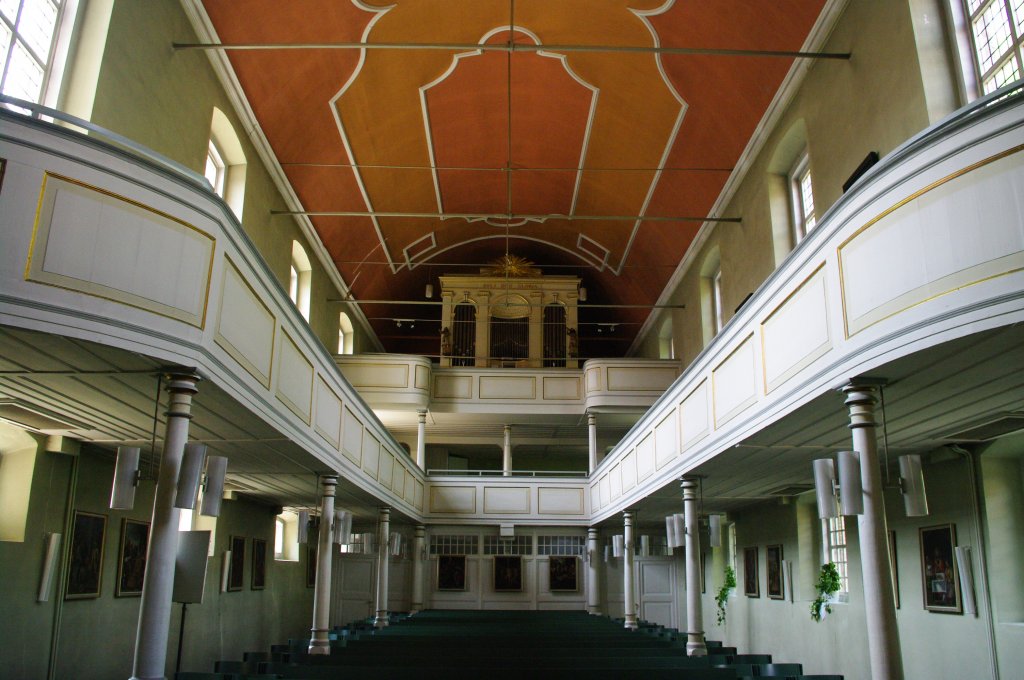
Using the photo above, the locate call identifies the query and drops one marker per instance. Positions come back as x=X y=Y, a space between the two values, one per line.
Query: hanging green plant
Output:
x=723 y=593
x=827 y=586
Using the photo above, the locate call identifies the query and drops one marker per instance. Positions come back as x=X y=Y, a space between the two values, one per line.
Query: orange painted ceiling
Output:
x=460 y=155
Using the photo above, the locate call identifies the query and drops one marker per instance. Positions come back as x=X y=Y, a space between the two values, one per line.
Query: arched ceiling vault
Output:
x=426 y=137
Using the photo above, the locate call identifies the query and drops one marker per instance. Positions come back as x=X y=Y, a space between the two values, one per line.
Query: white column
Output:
x=383 y=560
x=158 y=584
x=318 y=640
x=592 y=431
x=879 y=602
x=628 y=597
x=421 y=441
x=418 y=549
x=593 y=577
x=694 y=615
x=506 y=458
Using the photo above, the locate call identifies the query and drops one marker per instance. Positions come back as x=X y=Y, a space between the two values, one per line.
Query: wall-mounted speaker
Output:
x=189 y=475
x=303 y=528
x=851 y=493
x=824 y=487
x=618 y=543
x=715 y=530
x=342 y=527
x=915 y=500
x=395 y=544
x=216 y=469
x=49 y=567
x=126 y=478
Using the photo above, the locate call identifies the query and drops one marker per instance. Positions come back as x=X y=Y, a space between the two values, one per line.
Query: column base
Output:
x=695 y=644
x=594 y=611
x=381 y=621
x=319 y=644
x=631 y=622
x=139 y=677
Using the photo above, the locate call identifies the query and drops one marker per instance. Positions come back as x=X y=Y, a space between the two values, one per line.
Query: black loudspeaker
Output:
x=864 y=166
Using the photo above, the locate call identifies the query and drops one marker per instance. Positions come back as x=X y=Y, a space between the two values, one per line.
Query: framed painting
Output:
x=311 y=566
x=751 y=583
x=259 y=564
x=131 y=560
x=451 y=572
x=85 y=572
x=773 y=568
x=940 y=582
x=562 y=574
x=508 y=573
x=237 y=570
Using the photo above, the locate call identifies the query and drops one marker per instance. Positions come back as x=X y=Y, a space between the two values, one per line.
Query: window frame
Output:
x=54 y=63
x=717 y=320
x=804 y=220
x=1012 y=53
x=837 y=551
x=215 y=158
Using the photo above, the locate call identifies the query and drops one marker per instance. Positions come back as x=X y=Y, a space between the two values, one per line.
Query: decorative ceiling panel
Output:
x=494 y=140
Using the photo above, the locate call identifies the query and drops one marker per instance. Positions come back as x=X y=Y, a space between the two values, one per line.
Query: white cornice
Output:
x=820 y=33
x=225 y=73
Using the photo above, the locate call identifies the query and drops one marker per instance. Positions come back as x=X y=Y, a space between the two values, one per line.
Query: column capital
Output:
x=591 y=418
x=592 y=533
x=420 y=531
x=184 y=380
x=328 y=482
x=384 y=511
x=422 y=415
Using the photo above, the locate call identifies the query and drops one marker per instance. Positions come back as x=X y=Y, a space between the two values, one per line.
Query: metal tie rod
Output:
x=514 y=216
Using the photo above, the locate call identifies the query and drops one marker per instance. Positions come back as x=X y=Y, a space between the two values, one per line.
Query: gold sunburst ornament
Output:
x=510 y=265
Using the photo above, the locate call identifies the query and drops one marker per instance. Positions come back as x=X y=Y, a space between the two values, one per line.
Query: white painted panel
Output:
x=606 y=493
x=506 y=500
x=386 y=468
x=645 y=458
x=559 y=501
x=735 y=382
x=461 y=499
x=615 y=481
x=595 y=498
x=352 y=437
x=376 y=374
x=657 y=612
x=562 y=388
x=630 y=379
x=328 y=413
x=797 y=332
x=666 y=446
x=961 y=231
x=294 y=378
x=693 y=415
x=371 y=455
x=453 y=387
x=417 y=499
x=398 y=479
x=422 y=380
x=410 y=488
x=655 y=578
x=593 y=379
x=628 y=467
x=357 y=576
x=508 y=387
x=245 y=327
x=108 y=246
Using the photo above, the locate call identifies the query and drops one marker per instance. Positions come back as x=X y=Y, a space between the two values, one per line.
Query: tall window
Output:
x=225 y=162
x=997 y=36
x=299 y=277
x=346 y=334
x=801 y=198
x=34 y=37
x=215 y=170
x=278 y=538
x=836 y=552
x=716 y=299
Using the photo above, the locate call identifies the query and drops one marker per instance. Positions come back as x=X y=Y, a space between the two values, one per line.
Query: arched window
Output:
x=225 y=163
x=464 y=335
x=346 y=335
x=299 y=279
x=554 y=336
x=790 y=195
x=666 y=340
